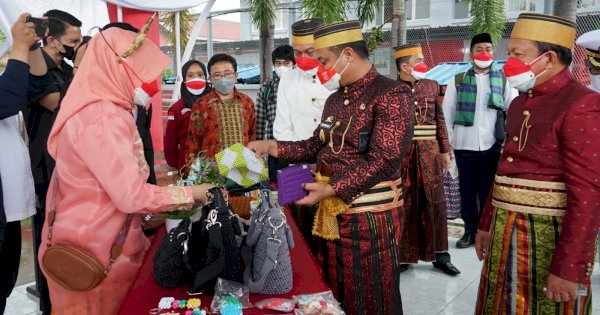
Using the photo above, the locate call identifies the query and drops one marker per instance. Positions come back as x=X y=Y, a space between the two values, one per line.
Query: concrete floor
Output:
x=425 y=290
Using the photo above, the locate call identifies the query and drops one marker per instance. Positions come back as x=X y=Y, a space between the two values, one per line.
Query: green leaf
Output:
x=168 y=29
x=329 y=10
x=376 y=37
x=487 y=16
x=262 y=12
x=367 y=9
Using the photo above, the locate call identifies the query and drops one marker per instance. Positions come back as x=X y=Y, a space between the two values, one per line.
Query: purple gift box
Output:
x=289 y=183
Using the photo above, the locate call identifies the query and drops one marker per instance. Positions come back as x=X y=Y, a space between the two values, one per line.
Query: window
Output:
x=280 y=22
x=520 y=5
x=585 y=4
x=461 y=9
x=417 y=9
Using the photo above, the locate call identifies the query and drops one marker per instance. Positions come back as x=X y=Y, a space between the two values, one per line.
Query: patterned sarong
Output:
x=362 y=266
x=425 y=229
x=515 y=271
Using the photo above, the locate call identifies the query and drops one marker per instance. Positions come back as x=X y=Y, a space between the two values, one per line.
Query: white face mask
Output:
x=595 y=81
x=329 y=81
x=483 y=64
x=519 y=79
x=281 y=70
x=419 y=70
x=195 y=86
x=333 y=83
x=141 y=98
x=483 y=59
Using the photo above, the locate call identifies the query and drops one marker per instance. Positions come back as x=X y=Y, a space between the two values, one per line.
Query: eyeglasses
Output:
x=218 y=76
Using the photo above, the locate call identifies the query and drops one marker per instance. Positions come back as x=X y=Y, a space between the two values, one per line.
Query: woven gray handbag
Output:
x=269 y=270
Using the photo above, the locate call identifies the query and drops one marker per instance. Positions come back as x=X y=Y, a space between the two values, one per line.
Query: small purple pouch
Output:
x=289 y=183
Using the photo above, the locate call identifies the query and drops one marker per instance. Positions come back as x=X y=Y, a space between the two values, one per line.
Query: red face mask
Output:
x=195 y=86
x=419 y=70
x=307 y=63
x=519 y=74
x=483 y=59
x=325 y=75
x=143 y=94
x=484 y=56
x=421 y=67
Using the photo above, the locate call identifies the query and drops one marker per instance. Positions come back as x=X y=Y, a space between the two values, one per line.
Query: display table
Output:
x=145 y=294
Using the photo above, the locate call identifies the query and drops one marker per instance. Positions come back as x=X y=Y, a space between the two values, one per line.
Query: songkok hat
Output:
x=302 y=31
x=481 y=38
x=591 y=42
x=545 y=28
x=407 y=50
x=337 y=34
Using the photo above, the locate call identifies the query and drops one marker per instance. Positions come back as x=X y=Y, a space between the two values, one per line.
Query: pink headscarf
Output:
x=102 y=78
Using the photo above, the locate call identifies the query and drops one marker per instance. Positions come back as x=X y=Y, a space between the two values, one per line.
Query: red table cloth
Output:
x=145 y=294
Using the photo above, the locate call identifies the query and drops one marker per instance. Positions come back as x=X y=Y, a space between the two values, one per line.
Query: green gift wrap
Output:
x=241 y=165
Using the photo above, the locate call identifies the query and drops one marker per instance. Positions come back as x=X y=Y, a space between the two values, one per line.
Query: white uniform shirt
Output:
x=15 y=168
x=593 y=88
x=300 y=102
x=480 y=136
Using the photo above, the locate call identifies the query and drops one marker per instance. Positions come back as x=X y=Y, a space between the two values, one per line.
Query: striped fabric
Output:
x=467 y=95
x=425 y=224
x=515 y=271
x=362 y=267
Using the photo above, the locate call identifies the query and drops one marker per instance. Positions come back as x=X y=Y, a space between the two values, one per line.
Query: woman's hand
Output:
x=199 y=192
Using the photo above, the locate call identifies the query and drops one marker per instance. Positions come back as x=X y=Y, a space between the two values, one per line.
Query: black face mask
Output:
x=69 y=51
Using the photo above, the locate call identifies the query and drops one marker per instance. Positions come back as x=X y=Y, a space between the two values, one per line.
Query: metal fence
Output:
x=442 y=29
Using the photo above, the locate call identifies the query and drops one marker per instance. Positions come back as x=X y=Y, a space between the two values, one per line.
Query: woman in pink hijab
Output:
x=100 y=175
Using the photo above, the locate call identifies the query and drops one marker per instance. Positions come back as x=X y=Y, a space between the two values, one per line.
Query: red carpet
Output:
x=145 y=293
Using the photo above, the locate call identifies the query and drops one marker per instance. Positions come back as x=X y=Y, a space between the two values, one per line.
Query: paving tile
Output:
x=21 y=304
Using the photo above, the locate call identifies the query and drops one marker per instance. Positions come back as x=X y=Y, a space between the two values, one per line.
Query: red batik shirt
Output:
x=373 y=108
x=563 y=145
x=216 y=124
x=428 y=108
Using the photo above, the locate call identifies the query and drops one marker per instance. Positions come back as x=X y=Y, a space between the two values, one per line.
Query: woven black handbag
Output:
x=216 y=252
x=170 y=267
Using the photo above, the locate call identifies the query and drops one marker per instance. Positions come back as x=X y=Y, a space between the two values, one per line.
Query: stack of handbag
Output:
x=200 y=252
x=267 y=251
x=210 y=249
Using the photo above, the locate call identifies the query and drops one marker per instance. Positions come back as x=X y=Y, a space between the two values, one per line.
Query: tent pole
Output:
x=196 y=31
x=178 y=52
x=209 y=38
x=119 y=14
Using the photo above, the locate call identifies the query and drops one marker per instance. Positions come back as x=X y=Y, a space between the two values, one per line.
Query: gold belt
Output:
x=425 y=132
x=530 y=196
x=381 y=197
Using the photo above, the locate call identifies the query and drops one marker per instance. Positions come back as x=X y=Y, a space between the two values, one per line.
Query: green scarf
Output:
x=467 y=95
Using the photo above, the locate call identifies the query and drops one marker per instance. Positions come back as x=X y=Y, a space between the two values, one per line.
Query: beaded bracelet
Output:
x=193 y=303
x=195 y=311
x=165 y=303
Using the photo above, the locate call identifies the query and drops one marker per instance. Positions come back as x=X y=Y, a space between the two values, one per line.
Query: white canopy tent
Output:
x=95 y=13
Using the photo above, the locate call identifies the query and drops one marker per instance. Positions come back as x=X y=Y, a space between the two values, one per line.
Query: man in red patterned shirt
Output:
x=222 y=117
x=358 y=147
x=425 y=233
x=539 y=226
